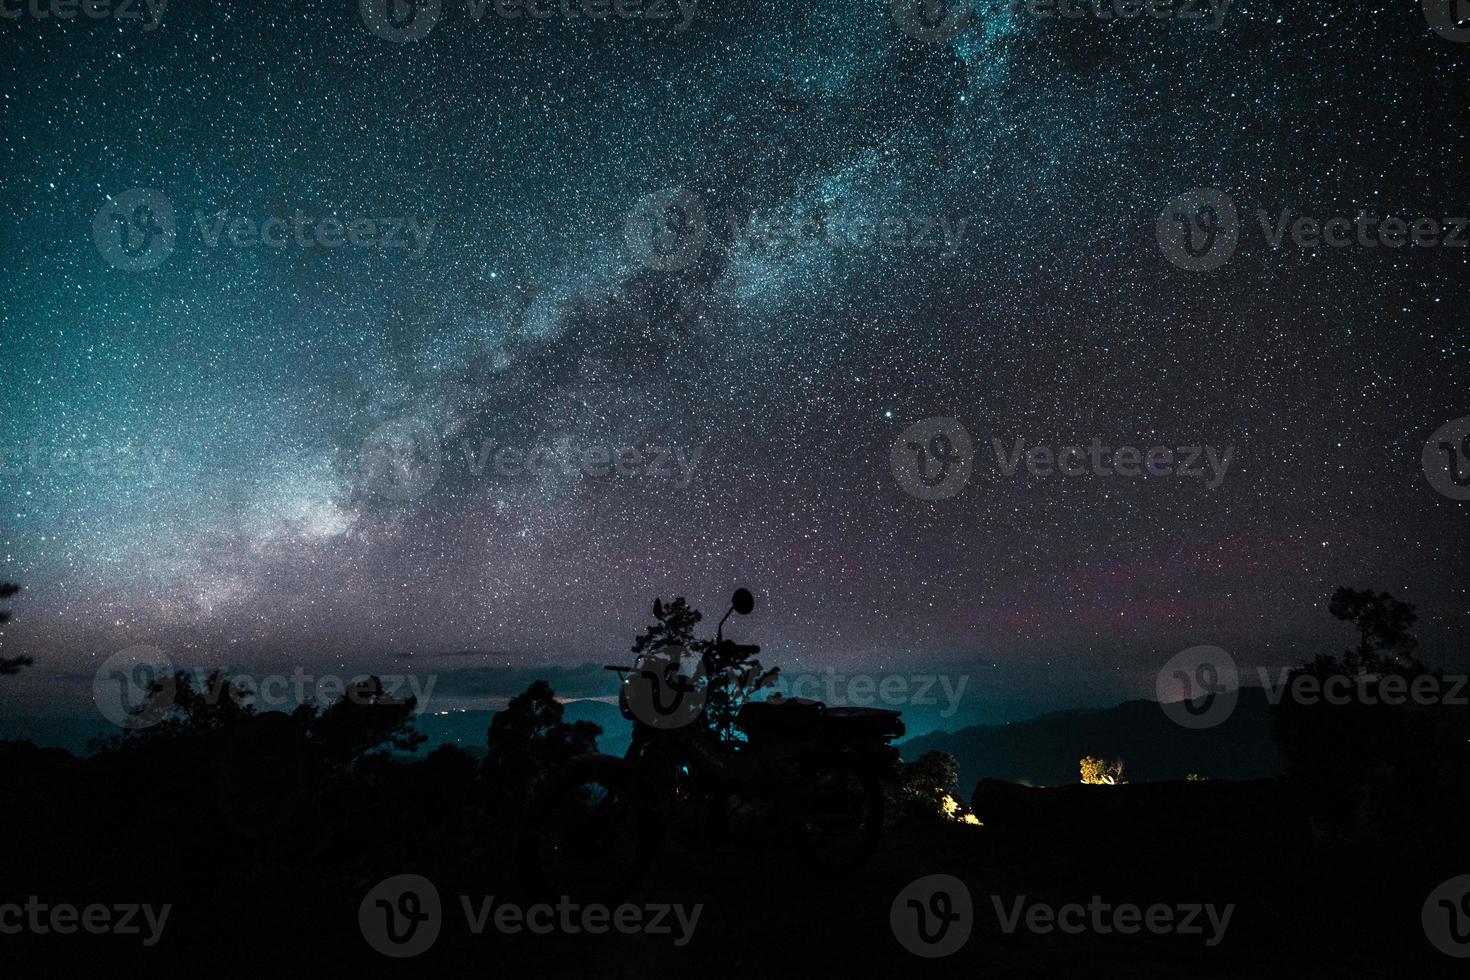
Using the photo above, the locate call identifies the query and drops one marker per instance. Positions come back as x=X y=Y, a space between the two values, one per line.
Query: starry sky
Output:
x=236 y=399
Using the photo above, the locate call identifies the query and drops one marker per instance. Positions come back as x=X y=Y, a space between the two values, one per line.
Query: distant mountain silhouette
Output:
x=1045 y=751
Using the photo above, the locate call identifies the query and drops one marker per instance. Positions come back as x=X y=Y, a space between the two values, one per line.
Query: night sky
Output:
x=244 y=406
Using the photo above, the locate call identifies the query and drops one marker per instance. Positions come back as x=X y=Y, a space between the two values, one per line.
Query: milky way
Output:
x=391 y=261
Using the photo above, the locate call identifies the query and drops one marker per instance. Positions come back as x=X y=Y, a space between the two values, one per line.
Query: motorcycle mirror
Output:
x=658 y=609
x=742 y=602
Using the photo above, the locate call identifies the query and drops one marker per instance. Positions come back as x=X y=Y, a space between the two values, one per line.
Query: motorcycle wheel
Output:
x=589 y=835
x=841 y=817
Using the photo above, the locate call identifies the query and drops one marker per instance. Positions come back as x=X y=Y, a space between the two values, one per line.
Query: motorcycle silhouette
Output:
x=804 y=776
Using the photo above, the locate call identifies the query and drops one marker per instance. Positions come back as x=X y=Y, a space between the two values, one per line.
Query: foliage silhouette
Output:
x=10 y=665
x=1368 y=762
x=1383 y=625
x=731 y=678
x=529 y=739
x=364 y=720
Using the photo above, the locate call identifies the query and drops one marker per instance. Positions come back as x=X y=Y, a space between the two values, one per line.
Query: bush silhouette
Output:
x=924 y=783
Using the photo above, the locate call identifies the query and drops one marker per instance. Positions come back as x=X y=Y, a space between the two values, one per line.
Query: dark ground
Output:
x=287 y=902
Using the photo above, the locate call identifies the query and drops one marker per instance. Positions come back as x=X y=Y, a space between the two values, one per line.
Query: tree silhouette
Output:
x=10 y=665
x=673 y=626
x=1366 y=762
x=730 y=679
x=1383 y=624
x=528 y=739
x=364 y=720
